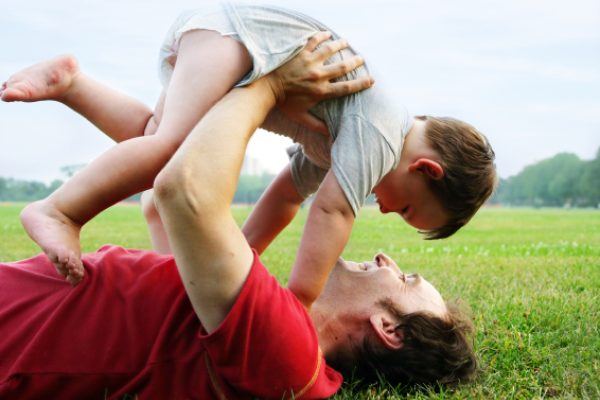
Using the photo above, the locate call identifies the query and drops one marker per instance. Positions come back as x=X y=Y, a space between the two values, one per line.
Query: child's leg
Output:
x=158 y=235
x=208 y=65
x=119 y=116
x=60 y=79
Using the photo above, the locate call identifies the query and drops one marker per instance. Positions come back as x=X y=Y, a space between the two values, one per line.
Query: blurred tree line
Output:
x=561 y=181
x=249 y=188
x=16 y=190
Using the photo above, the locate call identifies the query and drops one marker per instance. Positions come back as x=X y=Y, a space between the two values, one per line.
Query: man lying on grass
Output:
x=210 y=321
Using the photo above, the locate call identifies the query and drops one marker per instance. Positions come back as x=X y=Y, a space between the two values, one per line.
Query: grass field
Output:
x=531 y=277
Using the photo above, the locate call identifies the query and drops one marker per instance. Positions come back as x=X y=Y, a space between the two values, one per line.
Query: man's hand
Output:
x=305 y=80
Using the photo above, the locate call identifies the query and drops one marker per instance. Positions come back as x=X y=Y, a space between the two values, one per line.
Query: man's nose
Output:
x=382 y=260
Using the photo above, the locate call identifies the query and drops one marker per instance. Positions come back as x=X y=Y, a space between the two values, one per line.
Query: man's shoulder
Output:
x=136 y=266
x=268 y=339
x=116 y=252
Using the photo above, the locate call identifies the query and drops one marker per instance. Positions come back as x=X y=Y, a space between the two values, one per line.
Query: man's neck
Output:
x=335 y=333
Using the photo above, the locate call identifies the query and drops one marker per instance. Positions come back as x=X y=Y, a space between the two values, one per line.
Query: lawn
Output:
x=531 y=278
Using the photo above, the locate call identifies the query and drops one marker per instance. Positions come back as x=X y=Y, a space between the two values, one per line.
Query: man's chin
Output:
x=347 y=265
x=342 y=265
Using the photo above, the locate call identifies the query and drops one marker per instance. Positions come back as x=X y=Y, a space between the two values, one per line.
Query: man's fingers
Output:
x=316 y=40
x=339 y=69
x=328 y=49
x=337 y=89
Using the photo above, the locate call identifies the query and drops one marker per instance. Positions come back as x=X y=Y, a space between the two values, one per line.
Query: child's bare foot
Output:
x=48 y=80
x=57 y=235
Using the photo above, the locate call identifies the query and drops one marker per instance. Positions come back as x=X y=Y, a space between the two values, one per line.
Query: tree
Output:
x=70 y=170
x=251 y=187
x=589 y=184
x=562 y=180
x=17 y=190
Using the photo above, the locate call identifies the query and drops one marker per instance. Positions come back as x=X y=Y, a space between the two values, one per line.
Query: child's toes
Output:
x=75 y=269
x=60 y=265
x=74 y=280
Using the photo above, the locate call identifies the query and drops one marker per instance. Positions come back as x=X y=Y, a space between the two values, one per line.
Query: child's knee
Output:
x=151 y=126
x=164 y=144
x=148 y=207
x=155 y=118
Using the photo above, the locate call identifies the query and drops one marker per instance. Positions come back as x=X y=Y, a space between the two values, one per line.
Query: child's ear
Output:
x=431 y=168
x=385 y=328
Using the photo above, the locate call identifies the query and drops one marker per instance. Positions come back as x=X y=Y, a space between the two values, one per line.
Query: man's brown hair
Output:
x=434 y=351
x=469 y=170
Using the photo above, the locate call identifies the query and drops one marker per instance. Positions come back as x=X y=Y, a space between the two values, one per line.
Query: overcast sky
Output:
x=526 y=73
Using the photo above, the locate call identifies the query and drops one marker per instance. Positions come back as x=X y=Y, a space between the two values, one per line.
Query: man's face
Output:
x=355 y=289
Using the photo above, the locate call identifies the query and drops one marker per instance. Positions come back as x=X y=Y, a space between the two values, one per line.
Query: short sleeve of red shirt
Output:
x=267 y=345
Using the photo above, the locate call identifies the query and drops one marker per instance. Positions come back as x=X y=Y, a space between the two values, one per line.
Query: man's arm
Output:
x=305 y=81
x=275 y=209
x=195 y=189
x=326 y=233
x=194 y=193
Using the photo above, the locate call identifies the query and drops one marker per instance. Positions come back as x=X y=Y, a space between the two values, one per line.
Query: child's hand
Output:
x=305 y=80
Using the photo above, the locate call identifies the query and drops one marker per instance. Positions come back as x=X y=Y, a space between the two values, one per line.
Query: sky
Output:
x=524 y=72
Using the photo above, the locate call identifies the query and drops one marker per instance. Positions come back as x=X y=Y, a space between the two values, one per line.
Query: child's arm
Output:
x=326 y=233
x=275 y=209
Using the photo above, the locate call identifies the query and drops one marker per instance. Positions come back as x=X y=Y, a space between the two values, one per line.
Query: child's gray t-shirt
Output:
x=367 y=130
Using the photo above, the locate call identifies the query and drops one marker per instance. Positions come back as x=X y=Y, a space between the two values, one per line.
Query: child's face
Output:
x=412 y=199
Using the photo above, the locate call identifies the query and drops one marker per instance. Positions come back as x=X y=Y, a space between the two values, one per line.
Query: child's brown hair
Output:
x=469 y=170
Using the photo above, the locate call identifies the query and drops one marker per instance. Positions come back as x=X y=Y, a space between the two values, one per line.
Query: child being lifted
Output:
x=434 y=172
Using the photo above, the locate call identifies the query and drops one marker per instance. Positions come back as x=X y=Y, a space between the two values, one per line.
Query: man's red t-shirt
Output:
x=129 y=328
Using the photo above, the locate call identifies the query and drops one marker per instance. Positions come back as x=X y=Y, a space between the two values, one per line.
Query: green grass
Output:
x=531 y=277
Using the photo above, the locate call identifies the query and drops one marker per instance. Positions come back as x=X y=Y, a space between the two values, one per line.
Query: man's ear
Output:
x=385 y=328
x=431 y=168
